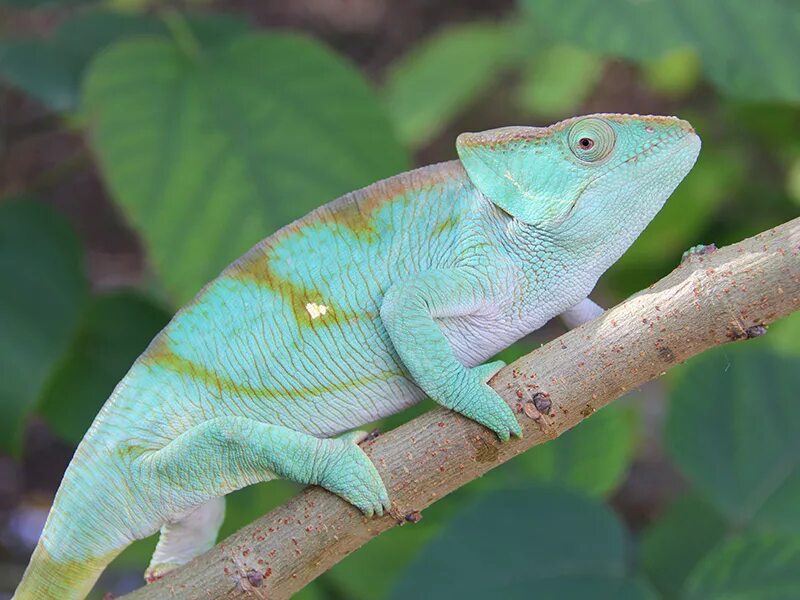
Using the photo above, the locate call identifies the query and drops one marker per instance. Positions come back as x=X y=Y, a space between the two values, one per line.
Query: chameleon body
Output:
x=354 y=312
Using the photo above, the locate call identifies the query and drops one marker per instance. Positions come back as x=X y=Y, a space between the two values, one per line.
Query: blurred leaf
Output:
x=42 y=294
x=537 y=542
x=784 y=335
x=557 y=81
x=793 y=181
x=676 y=542
x=593 y=457
x=115 y=330
x=675 y=73
x=209 y=154
x=50 y=70
x=745 y=52
x=733 y=429
x=441 y=76
x=750 y=567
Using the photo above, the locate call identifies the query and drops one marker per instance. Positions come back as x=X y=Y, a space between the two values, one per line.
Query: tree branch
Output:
x=728 y=295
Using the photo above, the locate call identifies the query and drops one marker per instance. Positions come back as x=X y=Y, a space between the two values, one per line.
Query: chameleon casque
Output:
x=354 y=312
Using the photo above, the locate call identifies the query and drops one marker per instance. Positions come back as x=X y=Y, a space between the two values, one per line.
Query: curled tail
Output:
x=65 y=579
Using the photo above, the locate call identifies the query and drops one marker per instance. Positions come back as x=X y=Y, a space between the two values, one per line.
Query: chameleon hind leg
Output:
x=228 y=453
x=187 y=536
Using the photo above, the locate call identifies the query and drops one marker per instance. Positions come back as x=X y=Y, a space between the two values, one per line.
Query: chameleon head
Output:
x=590 y=180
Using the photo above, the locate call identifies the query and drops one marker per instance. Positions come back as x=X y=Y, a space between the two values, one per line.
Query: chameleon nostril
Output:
x=649 y=129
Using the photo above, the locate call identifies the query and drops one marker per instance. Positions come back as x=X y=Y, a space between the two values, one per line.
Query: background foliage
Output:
x=147 y=144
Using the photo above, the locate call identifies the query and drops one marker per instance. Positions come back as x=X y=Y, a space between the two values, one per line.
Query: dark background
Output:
x=146 y=144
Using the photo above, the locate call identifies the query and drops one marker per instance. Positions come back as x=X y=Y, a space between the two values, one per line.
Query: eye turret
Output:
x=591 y=139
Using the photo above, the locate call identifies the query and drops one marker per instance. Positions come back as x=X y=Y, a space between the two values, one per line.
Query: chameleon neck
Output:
x=548 y=261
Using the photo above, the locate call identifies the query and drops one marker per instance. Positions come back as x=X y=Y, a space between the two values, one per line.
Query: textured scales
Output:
x=352 y=313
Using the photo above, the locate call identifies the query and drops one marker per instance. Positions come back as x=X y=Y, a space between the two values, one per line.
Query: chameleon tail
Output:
x=82 y=535
x=49 y=579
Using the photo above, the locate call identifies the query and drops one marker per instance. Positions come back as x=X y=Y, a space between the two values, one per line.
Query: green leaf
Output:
x=732 y=428
x=557 y=81
x=751 y=54
x=441 y=76
x=115 y=329
x=676 y=542
x=784 y=335
x=42 y=293
x=538 y=542
x=50 y=70
x=209 y=154
x=593 y=457
x=750 y=567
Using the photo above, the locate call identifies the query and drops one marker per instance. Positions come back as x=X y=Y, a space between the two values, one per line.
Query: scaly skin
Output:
x=356 y=311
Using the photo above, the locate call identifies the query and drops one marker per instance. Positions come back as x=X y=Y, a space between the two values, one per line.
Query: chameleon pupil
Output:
x=586 y=143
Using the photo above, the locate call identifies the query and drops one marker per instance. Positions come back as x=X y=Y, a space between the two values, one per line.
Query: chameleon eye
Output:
x=591 y=140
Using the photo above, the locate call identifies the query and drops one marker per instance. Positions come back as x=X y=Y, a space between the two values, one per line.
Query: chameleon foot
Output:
x=481 y=403
x=698 y=250
x=349 y=473
x=156 y=572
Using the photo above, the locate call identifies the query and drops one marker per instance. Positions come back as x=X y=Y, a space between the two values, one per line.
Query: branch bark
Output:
x=727 y=295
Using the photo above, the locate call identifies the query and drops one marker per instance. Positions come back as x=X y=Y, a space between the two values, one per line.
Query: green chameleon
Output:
x=360 y=309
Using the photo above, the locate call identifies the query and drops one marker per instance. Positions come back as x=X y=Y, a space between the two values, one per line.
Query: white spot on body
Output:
x=315 y=310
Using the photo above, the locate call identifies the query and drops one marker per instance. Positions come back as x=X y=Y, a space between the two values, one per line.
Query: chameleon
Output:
x=365 y=306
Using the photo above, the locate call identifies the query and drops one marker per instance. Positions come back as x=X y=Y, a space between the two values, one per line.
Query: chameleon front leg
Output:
x=408 y=312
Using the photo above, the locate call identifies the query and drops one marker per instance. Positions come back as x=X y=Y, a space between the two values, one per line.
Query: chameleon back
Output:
x=290 y=333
